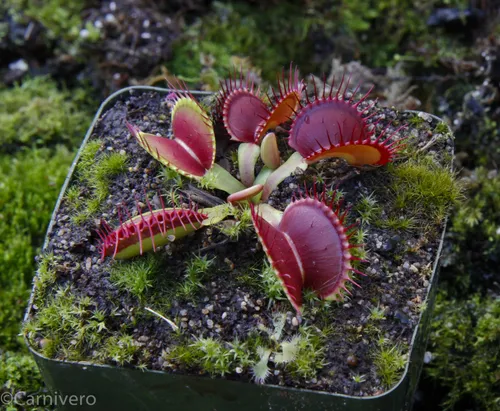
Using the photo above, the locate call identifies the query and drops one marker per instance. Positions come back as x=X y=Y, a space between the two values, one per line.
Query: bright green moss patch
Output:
x=475 y=227
x=29 y=185
x=67 y=324
x=197 y=269
x=464 y=343
x=232 y=32
x=18 y=372
x=136 y=276
x=61 y=18
x=424 y=190
x=37 y=113
x=120 y=349
x=94 y=173
x=389 y=362
x=303 y=354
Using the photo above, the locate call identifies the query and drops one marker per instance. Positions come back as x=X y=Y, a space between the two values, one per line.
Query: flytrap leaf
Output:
x=191 y=151
x=148 y=231
x=308 y=248
x=242 y=108
x=285 y=102
x=333 y=126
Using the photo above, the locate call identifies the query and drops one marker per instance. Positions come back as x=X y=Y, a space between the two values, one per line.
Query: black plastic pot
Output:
x=132 y=389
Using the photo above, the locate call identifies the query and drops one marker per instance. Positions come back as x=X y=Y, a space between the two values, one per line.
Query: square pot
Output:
x=108 y=387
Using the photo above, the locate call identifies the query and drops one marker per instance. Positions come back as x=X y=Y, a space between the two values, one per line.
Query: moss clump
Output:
x=271 y=284
x=94 y=172
x=197 y=269
x=120 y=349
x=30 y=183
x=475 y=235
x=234 y=31
x=136 y=277
x=67 y=325
x=389 y=361
x=424 y=190
x=464 y=344
x=61 y=18
x=390 y=25
x=18 y=372
x=303 y=354
x=37 y=113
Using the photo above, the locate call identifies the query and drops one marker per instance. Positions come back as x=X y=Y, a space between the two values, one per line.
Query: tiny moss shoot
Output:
x=368 y=208
x=94 y=172
x=197 y=269
x=136 y=276
x=121 y=349
x=67 y=325
x=389 y=361
x=271 y=284
x=46 y=274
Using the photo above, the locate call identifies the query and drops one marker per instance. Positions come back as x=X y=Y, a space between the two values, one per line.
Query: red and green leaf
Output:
x=284 y=102
x=308 y=248
x=191 y=151
x=333 y=126
x=148 y=231
x=242 y=109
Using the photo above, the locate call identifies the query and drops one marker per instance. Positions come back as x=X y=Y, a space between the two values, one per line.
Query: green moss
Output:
x=442 y=128
x=61 y=18
x=464 y=345
x=241 y=224
x=197 y=269
x=120 y=349
x=46 y=275
x=389 y=362
x=310 y=355
x=68 y=325
x=18 y=372
x=368 y=208
x=136 y=276
x=94 y=171
x=271 y=285
x=424 y=190
x=215 y=357
x=389 y=25
x=377 y=313
x=474 y=235
x=37 y=113
x=231 y=32
x=29 y=185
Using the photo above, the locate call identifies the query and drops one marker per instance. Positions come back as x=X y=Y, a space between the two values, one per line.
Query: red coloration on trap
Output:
x=242 y=108
x=137 y=235
x=284 y=102
x=191 y=151
x=332 y=126
x=308 y=248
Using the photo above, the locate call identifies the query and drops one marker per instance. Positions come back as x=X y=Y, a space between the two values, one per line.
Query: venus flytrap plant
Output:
x=331 y=125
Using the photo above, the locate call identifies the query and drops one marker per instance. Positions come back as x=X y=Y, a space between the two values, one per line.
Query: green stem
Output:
x=218 y=177
x=285 y=170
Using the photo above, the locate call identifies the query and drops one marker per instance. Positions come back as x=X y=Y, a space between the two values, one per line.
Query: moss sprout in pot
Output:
x=244 y=250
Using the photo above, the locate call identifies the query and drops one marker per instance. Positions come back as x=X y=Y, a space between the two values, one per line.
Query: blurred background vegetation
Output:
x=60 y=58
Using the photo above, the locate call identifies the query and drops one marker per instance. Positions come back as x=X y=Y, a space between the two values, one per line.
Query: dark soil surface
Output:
x=230 y=305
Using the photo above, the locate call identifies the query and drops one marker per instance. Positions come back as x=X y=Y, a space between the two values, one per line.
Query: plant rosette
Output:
x=302 y=256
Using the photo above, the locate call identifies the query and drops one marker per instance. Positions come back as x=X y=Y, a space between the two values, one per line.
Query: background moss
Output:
x=464 y=341
x=39 y=114
x=36 y=113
